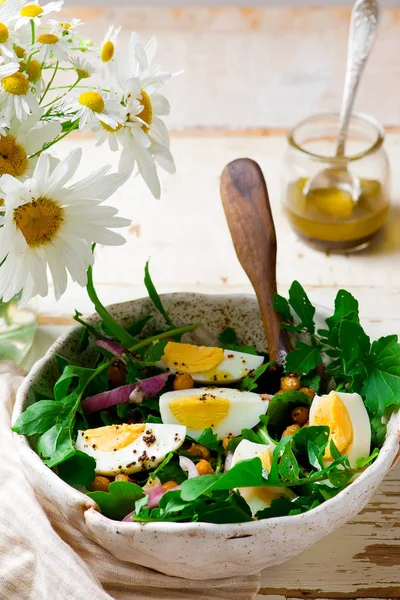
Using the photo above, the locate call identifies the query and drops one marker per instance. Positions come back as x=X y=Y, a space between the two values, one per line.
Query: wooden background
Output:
x=249 y=74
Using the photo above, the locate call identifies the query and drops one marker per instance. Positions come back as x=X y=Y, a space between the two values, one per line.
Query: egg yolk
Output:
x=112 y=437
x=187 y=358
x=200 y=412
x=267 y=494
x=266 y=459
x=332 y=412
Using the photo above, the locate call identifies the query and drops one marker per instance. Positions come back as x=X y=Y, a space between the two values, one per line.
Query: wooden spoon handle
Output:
x=248 y=212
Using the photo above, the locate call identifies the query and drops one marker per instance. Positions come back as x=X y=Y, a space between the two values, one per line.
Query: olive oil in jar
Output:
x=329 y=219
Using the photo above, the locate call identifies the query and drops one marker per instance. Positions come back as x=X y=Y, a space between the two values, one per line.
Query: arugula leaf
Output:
x=312 y=380
x=38 y=417
x=156 y=351
x=249 y=382
x=279 y=411
x=302 y=306
x=79 y=469
x=138 y=326
x=318 y=436
x=228 y=339
x=154 y=297
x=281 y=306
x=120 y=499
x=303 y=359
x=365 y=461
x=288 y=466
x=281 y=507
x=345 y=305
x=382 y=383
x=209 y=439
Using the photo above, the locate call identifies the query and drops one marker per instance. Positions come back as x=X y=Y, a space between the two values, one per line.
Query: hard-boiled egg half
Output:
x=259 y=498
x=208 y=364
x=130 y=448
x=347 y=418
x=225 y=410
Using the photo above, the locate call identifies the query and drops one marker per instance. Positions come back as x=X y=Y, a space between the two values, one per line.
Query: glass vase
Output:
x=17 y=329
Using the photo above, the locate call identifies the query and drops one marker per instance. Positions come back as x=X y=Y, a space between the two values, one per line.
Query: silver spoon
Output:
x=362 y=35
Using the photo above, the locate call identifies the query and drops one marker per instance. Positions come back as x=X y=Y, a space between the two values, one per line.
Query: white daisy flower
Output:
x=93 y=106
x=32 y=68
x=21 y=140
x=107 y=50
x=49 y=224
x=8 y=37
x=140 y=82
x=66 y=29
x=32 y=11
x=83 y=67
x=50 y=44
x=16 y=97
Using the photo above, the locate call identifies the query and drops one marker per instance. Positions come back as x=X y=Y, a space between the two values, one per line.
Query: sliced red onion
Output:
x=119 y=395
x=153 y=489
x=136 y=396
x=148 y=387
x=266 y=396
x=151 y=386
x=112 y=347
x=228 y=461
x=188 y=465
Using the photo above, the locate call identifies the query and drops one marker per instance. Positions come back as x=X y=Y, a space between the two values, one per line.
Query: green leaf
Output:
x=282 y=507
x=79 y=469
x=381 y=387
x=318 y=435
x=354 y=343
x=312 y=380
x=156 y=351
x=120 y=499
x=55 y=445
x=70 y=372
x=345 y=305
x=155 y=298
x=281 y=306
x=138 y=326
x=288 y=466
x=249 y=382
x=38 y=417
x=365 y=461
x=303 y=359
x=302 y=306
x=229 y=341
x=209 y=439
x=279 y=411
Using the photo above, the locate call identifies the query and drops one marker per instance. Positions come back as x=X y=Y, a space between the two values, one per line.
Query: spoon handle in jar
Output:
x=362 y=35
x=248 y=212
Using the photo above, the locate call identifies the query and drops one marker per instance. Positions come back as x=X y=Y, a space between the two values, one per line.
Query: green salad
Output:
x=161 y=430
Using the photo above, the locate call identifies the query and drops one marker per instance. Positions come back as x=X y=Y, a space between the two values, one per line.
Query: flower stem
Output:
x=33 y=32
x=60 y=137
x=62 y=95
x=50 y=82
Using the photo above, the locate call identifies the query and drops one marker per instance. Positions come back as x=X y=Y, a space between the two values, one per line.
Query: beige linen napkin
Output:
x=43 y=557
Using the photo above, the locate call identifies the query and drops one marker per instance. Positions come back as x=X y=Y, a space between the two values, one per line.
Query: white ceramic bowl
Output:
x=194 y=550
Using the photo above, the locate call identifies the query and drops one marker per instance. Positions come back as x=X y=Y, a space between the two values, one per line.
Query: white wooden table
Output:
x=249 y=74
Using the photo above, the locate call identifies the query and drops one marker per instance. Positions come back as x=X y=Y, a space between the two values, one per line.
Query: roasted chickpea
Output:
x=226 y=441
x=300 y=415
x=199 y=450
x=291 y=383
x=204 y=467
x=184 y=381
x=122 y=477
x=291 y=430
x=309 y=391
x=117 y=374
x=168 y=485
x=100 y=484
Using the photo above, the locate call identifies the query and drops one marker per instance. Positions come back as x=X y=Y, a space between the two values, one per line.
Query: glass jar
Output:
x=17 y=329
x=336 y=204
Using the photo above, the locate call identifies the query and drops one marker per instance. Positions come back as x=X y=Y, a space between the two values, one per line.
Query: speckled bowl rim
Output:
x=392 y=440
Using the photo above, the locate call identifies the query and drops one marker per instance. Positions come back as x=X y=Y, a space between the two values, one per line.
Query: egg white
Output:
x=355 y=406
x=234 y=367
x=142 y=454
x=258 y=498
x=244 y=410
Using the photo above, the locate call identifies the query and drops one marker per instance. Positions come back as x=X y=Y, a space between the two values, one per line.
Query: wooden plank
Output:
x=256 y=67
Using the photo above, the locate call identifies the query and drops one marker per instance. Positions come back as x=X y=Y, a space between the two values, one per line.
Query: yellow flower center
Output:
x=109 y=128
x=38 y=221
x=32 y=70
x=82 y=73
x=4 y=34
x=13 y=158
x=17 y=84
x=65 y=25
x=107 y=51
x=48 y=38
x=147 y=113
x=19 y=51
x=92 y=100
x=31 y=10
